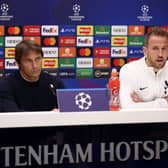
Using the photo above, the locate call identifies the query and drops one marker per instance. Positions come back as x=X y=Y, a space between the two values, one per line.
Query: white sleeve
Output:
x=127 y=86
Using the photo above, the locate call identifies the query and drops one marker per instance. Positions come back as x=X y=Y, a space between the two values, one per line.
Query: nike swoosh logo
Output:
x=143 y=88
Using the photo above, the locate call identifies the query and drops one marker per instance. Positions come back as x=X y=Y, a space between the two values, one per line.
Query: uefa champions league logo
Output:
x=4 y=16
x=76 y=8
x=144 y=17
x=83 y=101
x=145 y=9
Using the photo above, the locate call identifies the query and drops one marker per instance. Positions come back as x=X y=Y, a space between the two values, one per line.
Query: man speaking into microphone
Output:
x=29 y=88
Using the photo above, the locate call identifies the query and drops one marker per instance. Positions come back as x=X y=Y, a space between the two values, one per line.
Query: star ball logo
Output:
x=83 y=101
x=145 y=9
x=76 y=9
x=4 y=8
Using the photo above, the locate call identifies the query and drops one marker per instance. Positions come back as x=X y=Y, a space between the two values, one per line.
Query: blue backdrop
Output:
x=97 y=12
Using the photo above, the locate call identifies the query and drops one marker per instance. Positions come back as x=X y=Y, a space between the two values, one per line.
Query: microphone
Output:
x=52 y=89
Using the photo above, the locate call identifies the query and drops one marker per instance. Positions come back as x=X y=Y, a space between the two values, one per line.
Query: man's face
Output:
x=156 y=52
x=30 y=66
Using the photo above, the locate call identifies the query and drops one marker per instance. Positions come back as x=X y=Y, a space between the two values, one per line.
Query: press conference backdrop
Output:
x=82 y=40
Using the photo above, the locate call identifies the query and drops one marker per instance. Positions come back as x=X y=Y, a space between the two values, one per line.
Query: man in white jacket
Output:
x=144 y=83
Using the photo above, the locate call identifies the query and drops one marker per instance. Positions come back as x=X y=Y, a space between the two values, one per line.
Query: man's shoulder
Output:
x=133 y=65
x=56 y=81
x=52 y=79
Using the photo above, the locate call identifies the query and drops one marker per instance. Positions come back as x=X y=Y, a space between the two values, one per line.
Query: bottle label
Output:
x=114 y=98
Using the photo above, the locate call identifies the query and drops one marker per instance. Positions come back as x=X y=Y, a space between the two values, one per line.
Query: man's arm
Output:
x=130 y=99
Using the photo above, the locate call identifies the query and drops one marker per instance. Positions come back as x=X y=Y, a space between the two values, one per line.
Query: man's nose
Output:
x=34 y=64
x=160 y=53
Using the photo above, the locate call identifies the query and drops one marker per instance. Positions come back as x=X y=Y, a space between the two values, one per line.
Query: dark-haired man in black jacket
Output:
x=29 y=88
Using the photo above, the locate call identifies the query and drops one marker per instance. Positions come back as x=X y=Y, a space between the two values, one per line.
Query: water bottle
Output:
x=114 y=87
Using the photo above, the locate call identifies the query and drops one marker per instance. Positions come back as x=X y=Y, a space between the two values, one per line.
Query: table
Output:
x=126 y=138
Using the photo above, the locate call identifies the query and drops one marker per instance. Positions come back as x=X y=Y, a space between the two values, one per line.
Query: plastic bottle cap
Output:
x=114 y=72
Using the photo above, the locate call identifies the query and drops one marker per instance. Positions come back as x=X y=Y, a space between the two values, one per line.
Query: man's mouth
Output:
x=160 y=60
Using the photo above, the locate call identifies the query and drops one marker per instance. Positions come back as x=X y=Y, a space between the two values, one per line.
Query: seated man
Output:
x=144 y=83
x=29 y=88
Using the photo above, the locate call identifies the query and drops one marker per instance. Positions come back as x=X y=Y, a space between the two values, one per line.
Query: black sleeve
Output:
x=7 y=100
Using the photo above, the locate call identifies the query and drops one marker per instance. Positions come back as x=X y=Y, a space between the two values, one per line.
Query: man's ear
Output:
x=17 y=63
x=144 y=51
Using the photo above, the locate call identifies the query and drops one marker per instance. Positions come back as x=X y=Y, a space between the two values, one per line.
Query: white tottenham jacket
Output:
x=150 y=86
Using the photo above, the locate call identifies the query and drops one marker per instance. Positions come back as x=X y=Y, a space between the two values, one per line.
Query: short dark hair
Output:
x=157 y=31
x=24 y=47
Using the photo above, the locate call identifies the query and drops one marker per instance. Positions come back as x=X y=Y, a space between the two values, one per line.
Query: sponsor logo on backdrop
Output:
x=37 y=39
x=102 y=51
x=67 y=73
x=101 y=62
x=130 y=59
x=4 y=15
x=84 y=52
x=49 y=41
x=144 y=17
x=50 y=51
x=85 y=30
x=119 y=30
x=1 y=41
x=84 y=62
x=102 y=30
x=102 y=73
x=53 y=72
x=67 y=62
x=7 y=72
x=136 y=30
x=14 y=30
x=118 y=62
x=135 y=51
x=119 y=51
x=67 y=52
x=102 y=41
x=165 y=27
x=84 y=73
x=32 y=30
x=12 y=41
x=119 y=41
x=67 y=30
x=136 y=40
x=76 y=8
x=85 y=41
x=2 y=30
x=50 y=63
x=1 y=63
x=9 y=52
x=10 y=64
x=49 y=30
x=1 y=52
x=67 y=41
x=148 y=28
